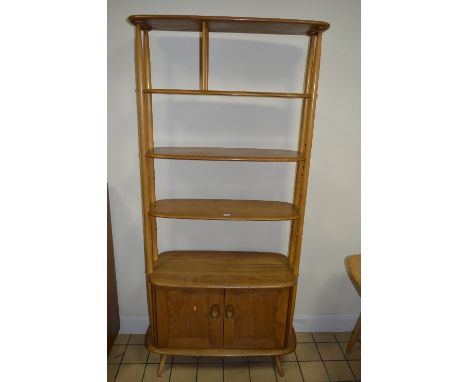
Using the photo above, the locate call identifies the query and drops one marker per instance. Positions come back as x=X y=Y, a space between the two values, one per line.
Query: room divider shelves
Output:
x=222 y=303
x=225 y=154
x=222 y=269
x=223 y=209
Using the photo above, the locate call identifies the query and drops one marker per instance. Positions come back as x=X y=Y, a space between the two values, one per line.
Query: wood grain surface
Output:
x=222 y=269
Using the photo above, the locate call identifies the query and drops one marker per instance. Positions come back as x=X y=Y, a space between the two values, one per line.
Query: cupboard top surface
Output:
x=192 y=23
x=222 y=269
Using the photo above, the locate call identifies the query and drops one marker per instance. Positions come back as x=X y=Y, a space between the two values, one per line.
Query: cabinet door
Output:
x=190 y=318
x=255 y=318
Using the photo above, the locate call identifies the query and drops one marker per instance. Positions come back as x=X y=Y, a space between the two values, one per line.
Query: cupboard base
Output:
x=225 y=352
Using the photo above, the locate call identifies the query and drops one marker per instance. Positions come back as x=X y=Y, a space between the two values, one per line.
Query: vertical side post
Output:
x=302 y=142
x=142 y=140
x=204 y=56
x=302 y=170
x=150 y=141
x=151 y=179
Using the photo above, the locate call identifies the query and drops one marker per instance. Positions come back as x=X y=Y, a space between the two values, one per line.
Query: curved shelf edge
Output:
x=222 y=352
x=224 y=209
x=229 y=24
x=225 y=154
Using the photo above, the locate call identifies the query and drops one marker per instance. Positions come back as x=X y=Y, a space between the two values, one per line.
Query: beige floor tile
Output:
x=291 y=357
x=355 y=352
x=184 y=372
x=236 y=372
x=304 y=337
x=236 y=360
x=116 y=354
x=155 y=358
x=151 y=373
x=112 y=372
x=342 y=336
x=210 y=372
x=135 y=354
x=184 y=359
x=211 y=360
x=262 y=372
x=339 y=371
x=121 y=339
x=307 y=352
x=330 y=351
x=292 y=373
x=324 y=337
x=137 y=339
x=356 y=368
x=261 y=359
x=313 y=371
x=130 y=373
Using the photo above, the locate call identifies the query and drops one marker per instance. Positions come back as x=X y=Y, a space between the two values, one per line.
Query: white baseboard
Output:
x=137 y=324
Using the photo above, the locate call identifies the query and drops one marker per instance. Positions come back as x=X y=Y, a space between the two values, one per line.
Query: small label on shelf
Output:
x=227 y=214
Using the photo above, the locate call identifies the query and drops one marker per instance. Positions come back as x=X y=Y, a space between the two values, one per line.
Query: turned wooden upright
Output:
x=221 y=303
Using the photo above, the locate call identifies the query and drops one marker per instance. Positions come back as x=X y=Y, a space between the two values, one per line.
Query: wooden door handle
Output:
x=229 y=311
x=215 y=311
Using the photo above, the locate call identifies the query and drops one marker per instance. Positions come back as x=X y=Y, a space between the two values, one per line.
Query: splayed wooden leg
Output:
x=162 y=362
x=354 y=335
x=279 y=365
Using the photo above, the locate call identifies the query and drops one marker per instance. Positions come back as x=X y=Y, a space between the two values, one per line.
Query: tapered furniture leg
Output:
x=353 y=268
x=162 y=362
x=279 y=365
x=354 y=335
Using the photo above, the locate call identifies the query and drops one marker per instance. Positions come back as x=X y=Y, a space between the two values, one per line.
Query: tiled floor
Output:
x=318 y=357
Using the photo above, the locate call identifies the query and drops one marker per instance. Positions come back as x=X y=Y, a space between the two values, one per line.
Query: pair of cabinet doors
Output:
x=221 y=318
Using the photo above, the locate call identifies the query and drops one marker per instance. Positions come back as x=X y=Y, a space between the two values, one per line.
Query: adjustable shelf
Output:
x=223 y=209
x=222 y=303
x=225 y=154
x=222 y=269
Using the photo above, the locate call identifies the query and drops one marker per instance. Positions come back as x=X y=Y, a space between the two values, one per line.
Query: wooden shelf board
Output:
x=236 y=93
x=225 y=24
x=222 y=352
x=222 y=269
x=225 y=154
x=224 y=209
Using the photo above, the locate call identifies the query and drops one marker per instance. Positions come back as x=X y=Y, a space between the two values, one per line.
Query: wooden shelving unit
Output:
x=222 y=303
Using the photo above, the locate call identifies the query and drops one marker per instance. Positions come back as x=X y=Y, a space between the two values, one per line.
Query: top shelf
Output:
x=190 y=23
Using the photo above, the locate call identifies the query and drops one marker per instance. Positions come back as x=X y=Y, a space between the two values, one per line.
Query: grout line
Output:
x=347 y=361
x=323 y=362
x=300 y=370
x=120 y=363
x=170 y=371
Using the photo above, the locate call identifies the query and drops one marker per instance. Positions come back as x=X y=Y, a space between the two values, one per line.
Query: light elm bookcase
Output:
x=222 y=303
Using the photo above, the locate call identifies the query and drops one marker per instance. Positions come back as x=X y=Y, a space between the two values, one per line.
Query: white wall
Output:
x=332 y=224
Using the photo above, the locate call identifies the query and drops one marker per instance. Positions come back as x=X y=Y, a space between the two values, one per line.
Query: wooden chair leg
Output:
x=279 y=365
x=161 y=364
x=354 y=335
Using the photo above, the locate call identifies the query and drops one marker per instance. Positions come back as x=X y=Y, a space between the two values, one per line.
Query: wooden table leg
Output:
x=354 y=335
